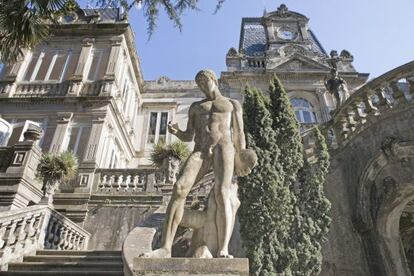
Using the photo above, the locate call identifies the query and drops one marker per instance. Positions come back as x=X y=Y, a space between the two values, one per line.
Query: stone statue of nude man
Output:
x=216 y=126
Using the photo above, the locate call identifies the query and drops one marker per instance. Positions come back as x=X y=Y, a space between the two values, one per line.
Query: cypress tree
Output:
x=283 y=197
x=267 y=200
x=312 y=220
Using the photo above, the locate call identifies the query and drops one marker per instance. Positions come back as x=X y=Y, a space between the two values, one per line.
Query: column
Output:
x=63 y=122
x=85 y=54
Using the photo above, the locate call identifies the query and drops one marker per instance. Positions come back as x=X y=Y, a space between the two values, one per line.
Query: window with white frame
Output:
x=77 y=138
x=303 y=110
x=47 y=66
x=157 y=127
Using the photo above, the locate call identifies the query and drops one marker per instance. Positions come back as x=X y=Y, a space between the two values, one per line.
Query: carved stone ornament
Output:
x=32 y=134
x=282 y=11
x=232 y=52
x=389 y=146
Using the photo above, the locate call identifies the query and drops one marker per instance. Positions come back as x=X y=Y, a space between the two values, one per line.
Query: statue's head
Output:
x=207 y=81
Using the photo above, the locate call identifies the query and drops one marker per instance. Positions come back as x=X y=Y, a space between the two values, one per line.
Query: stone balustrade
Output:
x=55 y=89
x=26 y=230
x=390 y=93
x=35 y=89
x=256 y=62
x=128 y=181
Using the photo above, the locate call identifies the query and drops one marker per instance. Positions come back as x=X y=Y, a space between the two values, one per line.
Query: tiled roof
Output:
x=106 y=15
x=253 y=36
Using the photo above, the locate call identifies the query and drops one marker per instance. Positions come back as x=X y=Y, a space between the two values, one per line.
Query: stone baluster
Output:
x=3 y=233
x=397 y=93
x=350 y=118
x=103 y=182
x=370 y=109
x=31 y=228
x=359 y=116
x=120 y=180
x=62 y=243
x=11 y=236
x=126 y=183
x=69 y=240
x=21 y=230
x=110 y=183
x=384 y=102
x=135 y=183
x=76 y=242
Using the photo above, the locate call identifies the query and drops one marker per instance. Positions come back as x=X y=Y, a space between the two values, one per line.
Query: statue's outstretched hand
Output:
x=173 y=128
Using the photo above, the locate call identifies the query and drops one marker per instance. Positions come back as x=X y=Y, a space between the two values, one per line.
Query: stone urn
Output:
x=170 y=168
x=32 y=134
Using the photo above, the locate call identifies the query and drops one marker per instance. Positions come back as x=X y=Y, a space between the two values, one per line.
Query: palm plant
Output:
x=178 y=150
x=54 y=169
x=25 y=23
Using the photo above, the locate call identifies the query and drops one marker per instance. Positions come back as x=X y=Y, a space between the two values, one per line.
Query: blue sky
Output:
x=379 y=34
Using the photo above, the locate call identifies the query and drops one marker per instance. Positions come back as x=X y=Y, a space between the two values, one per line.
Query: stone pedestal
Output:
x=191 y=266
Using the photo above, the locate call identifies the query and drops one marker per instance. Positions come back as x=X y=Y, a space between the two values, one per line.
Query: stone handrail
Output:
x=23 y=231
x=391 y=92
x=128 y=181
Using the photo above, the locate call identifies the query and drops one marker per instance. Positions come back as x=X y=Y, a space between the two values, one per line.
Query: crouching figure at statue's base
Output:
x=216 y=126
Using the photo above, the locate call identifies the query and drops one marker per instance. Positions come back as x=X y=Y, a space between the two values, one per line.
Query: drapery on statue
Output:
x=216 y=126
x=334 y=83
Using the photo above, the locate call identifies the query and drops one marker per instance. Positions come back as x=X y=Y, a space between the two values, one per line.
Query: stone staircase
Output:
x=54 y=262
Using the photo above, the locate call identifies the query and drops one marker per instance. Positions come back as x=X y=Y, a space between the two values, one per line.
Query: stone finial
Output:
x=283 y=11
x=32 y=134
x=232 y=52
x=346 y=55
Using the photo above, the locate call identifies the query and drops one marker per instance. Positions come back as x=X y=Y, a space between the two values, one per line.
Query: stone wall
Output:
x=344 y=252
x=109 y=225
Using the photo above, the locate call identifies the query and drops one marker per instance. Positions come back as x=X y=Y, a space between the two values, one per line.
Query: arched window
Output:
x=303 y=111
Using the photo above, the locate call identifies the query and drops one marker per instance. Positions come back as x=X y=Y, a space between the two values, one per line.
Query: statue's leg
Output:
x=223 y=163
x=175 y=207
x=338 y=99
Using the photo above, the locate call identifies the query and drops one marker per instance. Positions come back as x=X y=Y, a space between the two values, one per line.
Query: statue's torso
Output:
x=212 y=122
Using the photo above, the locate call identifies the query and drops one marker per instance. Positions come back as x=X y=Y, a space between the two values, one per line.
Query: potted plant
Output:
x=169 y=157
x=53 y=169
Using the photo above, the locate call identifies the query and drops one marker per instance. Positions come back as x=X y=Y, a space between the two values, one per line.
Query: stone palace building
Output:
x=84 y=89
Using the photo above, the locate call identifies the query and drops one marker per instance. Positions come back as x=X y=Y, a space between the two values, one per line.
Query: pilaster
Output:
x=63 y=121
x=113 y=57
x=75 y=86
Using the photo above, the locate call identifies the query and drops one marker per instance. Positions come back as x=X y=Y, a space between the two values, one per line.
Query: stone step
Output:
x=79 y=253
x=61 y=273
x=74 y=259
x=66 y=266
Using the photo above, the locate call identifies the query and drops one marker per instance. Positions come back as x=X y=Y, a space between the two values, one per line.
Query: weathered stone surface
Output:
x=191 y=266
x=110 y=225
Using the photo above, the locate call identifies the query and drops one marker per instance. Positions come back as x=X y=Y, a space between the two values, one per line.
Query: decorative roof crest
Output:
x=282 y=11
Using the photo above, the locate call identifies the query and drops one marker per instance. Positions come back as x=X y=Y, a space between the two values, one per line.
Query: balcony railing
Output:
x=129 y=181
x=390 y=93
x=24 y=231
x=53 y=89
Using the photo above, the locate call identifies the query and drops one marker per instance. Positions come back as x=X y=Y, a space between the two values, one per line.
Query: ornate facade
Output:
x=84 y=89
